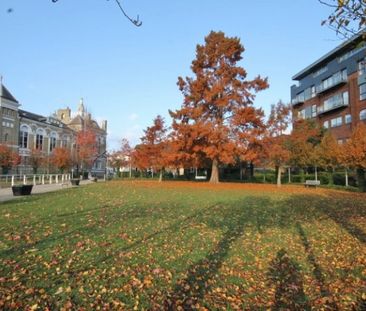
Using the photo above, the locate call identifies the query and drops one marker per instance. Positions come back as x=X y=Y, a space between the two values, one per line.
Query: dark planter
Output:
x=75 y=181
x=22 y=190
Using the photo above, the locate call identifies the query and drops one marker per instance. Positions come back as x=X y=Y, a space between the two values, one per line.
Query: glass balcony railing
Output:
x=336 y=79
x=335 y=102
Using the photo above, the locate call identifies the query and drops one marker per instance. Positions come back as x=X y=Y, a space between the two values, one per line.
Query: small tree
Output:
x=328 y=152
x=150 y=153
x=8 y=158
x=354 y=154
x=86 y=150
x=61 y=158
x=218 y=104
x=275 y=141
x=36 y=159
x=305 y=135
x=126 y=155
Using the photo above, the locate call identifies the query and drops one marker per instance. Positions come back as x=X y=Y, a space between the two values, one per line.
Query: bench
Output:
x=200 y=177
x=312 y=183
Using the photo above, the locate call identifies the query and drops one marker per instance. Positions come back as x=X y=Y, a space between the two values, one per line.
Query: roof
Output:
x=4 y=93
x=31 y=115
x=39 y=118
x=345 y=46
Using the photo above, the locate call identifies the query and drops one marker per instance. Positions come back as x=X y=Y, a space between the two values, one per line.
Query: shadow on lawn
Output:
x=329 y=303
x=339 y=207
x=285 y=275
x=201 y=276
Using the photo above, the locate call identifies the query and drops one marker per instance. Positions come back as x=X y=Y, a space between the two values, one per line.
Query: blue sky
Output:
x=51 y=55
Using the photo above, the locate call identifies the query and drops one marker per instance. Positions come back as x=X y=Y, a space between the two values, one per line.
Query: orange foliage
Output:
x=151 y=153
x=217 y=121
x=354 y=151
x=61 y=158
x=86 y=147
x=8 y=157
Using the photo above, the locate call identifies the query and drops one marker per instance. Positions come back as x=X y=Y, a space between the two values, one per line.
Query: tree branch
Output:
x=136 y=22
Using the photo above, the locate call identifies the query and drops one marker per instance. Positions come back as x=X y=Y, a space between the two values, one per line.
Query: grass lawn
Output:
x=144 y=245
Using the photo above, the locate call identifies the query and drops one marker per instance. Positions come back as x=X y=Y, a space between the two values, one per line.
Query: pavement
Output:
x=6 y=194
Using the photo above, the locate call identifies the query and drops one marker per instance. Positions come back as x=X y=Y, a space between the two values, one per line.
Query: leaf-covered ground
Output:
x=175 y=245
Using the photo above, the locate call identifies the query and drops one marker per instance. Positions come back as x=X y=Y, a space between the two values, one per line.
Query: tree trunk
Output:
x=346 y=177
x=302 y=177
x=215 y=172
x=161 y=175
x=289 y=175
x=279 y=170
x=331 y=177
x=361 y=179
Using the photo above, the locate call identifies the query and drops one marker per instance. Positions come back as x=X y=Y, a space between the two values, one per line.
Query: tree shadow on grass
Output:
x=329 y=303
x=339 y=207
x=285 y=274
x=201 y=276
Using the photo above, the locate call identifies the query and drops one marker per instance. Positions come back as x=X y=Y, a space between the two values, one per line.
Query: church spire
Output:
x=81 y=108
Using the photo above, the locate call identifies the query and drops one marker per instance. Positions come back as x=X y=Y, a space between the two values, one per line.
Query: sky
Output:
x=53 y=54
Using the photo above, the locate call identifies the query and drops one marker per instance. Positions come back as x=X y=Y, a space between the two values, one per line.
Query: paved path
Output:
x=6 y=194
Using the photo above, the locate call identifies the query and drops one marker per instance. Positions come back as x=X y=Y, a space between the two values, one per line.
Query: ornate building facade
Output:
x=25 y=131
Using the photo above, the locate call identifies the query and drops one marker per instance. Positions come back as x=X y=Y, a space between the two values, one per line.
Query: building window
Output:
x=39 y=139
x=363 y=114
x=53 y=141
x=23 y=137
x=362 y=89
x=64 y=141
x=313 y=91
x=305 y=113
x=319 y=72
x=350 y=53
x=347 y=119
x=340 y=141
x=313 y=111
x=326 y=124
x=336 y=122
x=6 y=137
x=361 y=67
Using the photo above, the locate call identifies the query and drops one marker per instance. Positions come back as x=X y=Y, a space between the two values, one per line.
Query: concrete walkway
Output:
x=6 y=194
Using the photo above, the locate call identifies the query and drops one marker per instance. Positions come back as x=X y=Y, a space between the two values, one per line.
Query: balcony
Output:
x=297 y=101
x=335 y=102
x=332 y=82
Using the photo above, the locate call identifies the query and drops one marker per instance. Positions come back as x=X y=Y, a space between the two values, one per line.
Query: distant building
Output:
x=24 y=131
x=82 y=120
x=332 y=90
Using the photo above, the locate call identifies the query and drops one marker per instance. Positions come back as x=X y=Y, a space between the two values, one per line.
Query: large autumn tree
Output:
x=218 y=104
x=150 y=154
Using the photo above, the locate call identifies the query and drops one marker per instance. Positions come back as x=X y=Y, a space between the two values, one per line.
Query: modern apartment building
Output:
x=332 y=90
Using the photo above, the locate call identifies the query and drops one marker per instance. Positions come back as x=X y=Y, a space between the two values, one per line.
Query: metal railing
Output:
x=33 y=179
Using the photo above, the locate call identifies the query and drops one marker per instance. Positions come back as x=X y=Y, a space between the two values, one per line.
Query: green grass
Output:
x=145 y=245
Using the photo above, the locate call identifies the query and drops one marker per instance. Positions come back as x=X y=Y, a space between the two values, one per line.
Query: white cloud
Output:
x=133 y=116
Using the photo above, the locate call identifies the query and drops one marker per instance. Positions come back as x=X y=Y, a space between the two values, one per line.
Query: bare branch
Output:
x=136 y=22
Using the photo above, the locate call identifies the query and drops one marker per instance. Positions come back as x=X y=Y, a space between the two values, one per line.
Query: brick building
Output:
x=332 y=90
x=23 y=131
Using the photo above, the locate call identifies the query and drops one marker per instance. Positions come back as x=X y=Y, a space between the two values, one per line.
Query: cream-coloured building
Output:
x=25 y=131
